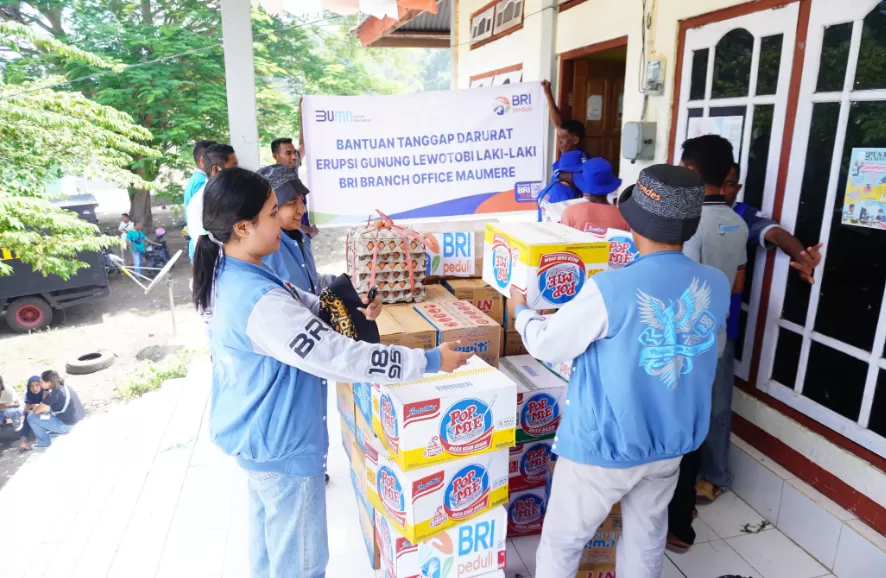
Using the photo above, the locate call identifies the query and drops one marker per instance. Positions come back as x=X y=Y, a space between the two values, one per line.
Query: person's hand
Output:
x=450 y=359
x=41 y=408
x=515 y=300
x=809 y=260
x=374 y=310
x=3 y=406
x=546 y=84
x=310 y=230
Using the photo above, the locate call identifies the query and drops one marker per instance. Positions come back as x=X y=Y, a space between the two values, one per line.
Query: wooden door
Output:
x=598 y=94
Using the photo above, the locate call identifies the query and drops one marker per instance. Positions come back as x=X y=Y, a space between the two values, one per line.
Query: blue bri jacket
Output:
x=644 y=340
x=271 y=359
x=294 y=262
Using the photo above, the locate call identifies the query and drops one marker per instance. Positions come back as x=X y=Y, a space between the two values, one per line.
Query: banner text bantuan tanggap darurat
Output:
x=400 y=157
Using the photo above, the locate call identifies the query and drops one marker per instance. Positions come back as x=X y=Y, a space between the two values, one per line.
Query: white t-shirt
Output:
x=125 y=227
x=194 y=214
x=8 y=397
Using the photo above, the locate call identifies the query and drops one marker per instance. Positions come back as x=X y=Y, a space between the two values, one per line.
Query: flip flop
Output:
x=706 y=492
x=676 y=545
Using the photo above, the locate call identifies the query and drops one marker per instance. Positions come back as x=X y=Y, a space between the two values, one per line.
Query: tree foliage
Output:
x=45 y=133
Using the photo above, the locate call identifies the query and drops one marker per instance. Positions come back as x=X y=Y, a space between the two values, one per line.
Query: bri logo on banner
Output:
x=516 y=103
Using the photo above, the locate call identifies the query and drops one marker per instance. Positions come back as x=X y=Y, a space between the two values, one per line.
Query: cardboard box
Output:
x=454 y=249
x=528 y=465
x=348 y=438
x=622 y=250
x=526 y=512
x=562 y=370
x=423 y=503
x=366 y=516
x=473 y=548
x=541 y=397
x=445 y=416
x=438 y=293
x=459 y=320
x=481 y=296
x=553 y=212
x=510 y=321
x=363 y=407
x=514 y=344
x=601 y=548
x=597 y=571
x=344 y=399
x=548 y=262
x=413 y=330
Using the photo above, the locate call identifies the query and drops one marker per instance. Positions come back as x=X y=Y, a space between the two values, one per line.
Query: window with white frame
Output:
x=481 y=25
x=824 y=348
x=508 y=13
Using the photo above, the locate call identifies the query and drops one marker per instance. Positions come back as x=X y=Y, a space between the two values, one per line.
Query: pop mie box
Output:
x=461 y=321
x=528 y=467
x=547 y=262
x=344 y=399
x=473 y=548
x=541 y=397
x=423 y=503
x=445 y=416
x=526 y=512
x=481 y=295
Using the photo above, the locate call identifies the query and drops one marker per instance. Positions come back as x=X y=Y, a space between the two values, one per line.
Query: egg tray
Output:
x=389 y=241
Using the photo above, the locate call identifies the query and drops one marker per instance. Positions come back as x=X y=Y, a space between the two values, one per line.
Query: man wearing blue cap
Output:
x=561 y=187
x=595 y=181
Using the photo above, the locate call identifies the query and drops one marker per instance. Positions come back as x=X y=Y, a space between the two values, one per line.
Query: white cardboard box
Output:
x=541 y=397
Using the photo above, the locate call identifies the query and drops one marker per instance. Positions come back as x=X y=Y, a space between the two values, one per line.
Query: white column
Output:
x=240 y=81
x=453 y=43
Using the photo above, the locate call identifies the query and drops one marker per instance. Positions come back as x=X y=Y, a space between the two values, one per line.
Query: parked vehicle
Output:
x=156 y=256
x=29 y=298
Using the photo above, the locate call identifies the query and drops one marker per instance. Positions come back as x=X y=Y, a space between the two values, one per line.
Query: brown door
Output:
x=598 y=93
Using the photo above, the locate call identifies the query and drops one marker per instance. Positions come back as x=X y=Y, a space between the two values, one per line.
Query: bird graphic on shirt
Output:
x=670 y=332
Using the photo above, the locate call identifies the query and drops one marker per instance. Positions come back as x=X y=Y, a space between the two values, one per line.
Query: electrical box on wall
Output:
x=654 y=85
x=638 y=141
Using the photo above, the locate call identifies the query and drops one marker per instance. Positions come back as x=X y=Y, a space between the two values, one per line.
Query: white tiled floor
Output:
x=142 y=492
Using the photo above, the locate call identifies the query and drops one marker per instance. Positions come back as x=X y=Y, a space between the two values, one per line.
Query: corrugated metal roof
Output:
x=427 y=22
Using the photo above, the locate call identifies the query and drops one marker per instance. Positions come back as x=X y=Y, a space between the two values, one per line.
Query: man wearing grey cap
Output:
x=294 y=260
x=643 y=344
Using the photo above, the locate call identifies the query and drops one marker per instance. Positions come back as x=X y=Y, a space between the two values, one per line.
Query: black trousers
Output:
x=683 y=502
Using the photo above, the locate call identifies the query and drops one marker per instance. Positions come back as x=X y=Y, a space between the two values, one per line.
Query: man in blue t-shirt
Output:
x=562 y=188
x=643 y=344
x=198 y=177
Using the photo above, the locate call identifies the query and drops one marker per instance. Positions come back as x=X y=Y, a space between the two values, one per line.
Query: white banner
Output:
x=425 y=155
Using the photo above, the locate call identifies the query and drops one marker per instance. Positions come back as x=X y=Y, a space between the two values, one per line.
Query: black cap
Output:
x=665 y=204
x=285 y=182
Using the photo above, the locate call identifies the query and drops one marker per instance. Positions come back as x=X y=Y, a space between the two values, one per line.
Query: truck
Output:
x=30 y=299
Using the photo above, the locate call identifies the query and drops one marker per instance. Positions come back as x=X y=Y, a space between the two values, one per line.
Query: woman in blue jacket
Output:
x=268 y=405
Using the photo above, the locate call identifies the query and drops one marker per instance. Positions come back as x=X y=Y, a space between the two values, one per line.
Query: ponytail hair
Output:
x=231 y=196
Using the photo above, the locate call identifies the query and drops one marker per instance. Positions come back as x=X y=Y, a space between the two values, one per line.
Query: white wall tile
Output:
x=821 y=500
x=809 y=525
x=757 y=484
x=775 y=556
x=861 y=552
x=765 y=460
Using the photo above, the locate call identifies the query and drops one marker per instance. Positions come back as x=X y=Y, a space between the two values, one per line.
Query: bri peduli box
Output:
x=526 y=512
x=547 y=262
x=461 y=321
x=445 y=416
x=541 y=397
x=423 y=503
x=473 y=548
x=528 y=467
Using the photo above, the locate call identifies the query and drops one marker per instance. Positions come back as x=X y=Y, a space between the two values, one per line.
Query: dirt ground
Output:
x=134 y=326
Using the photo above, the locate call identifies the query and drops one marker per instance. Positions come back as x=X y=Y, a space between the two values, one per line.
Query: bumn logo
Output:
x=334 y=116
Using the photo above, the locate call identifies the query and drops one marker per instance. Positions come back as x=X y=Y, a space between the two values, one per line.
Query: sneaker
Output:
x=21 y=424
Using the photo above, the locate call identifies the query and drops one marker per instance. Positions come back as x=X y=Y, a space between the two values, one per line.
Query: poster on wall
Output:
x=728 y=127
x=425 y=155
x=865 y=202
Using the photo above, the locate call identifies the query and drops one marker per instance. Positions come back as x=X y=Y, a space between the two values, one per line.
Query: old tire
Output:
x=90 y=363
x=28 y=314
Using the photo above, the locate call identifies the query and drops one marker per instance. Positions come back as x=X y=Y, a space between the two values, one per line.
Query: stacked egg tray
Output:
x=392 y=251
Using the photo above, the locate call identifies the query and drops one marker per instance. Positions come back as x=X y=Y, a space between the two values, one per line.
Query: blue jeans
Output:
x=715 y=449
x=42 y=427
x=137 y=262
x=14 y=414
x=287 y=525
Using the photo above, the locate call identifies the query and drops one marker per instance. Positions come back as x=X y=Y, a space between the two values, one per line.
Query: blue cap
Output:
x=569 y=162
x=596 y=178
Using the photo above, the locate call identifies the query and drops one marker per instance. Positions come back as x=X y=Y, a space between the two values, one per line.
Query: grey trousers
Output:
x=715 y=449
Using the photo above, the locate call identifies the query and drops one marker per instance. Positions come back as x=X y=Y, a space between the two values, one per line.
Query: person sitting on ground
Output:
x=294 y=260
x=59 y=411
x=595 y=181
x=215 y=158
x=10 y=408
x=561 y=188
x=33 y=397
x=643 y=345
x=570 y=133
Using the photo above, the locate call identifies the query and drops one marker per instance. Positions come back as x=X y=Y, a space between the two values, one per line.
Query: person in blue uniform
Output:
x=272 y=358
x=561 y=187
x=294 y=260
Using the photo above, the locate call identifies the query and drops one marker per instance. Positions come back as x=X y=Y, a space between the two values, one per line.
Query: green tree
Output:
x=45 y=133
x=182 y=98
